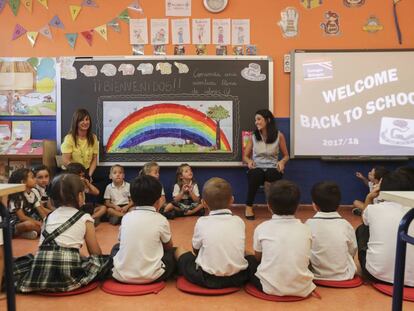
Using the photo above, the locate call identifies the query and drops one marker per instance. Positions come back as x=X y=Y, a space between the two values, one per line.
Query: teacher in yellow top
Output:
x=80 y=145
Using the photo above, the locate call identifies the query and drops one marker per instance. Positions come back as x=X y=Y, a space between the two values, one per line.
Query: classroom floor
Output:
x=361 y=298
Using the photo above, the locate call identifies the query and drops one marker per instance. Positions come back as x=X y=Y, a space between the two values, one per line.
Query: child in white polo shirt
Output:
x=333 y=238
x=145 y=253
x=117 y=197
x=282 y=246
x=218 y=242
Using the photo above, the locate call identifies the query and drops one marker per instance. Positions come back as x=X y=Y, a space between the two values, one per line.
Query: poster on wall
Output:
x=28 y=86
x=240 y=31
x=168 y=127
x=221 y=31
x=177 y=7
x=159 y=31
x=180 y=30
x=138 y=31
x=201 y=31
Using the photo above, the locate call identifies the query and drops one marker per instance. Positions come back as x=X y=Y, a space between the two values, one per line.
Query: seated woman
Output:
x=262 y=156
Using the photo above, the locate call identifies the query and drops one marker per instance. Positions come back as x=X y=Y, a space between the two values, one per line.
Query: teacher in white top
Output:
x=262 y=156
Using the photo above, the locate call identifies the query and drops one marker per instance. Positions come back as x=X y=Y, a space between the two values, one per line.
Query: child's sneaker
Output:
x=357 y=211
x=31 y=235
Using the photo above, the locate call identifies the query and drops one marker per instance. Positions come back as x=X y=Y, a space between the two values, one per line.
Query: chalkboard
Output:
x=246 y=82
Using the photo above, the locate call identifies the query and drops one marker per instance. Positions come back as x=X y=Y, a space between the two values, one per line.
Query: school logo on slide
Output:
x=397 y=132
x=317 y=70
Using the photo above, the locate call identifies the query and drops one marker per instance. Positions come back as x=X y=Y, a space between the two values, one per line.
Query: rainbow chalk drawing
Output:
x=170 y=120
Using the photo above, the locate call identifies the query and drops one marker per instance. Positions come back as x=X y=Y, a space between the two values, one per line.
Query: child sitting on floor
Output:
x=144 y=253
x=58 y=266
x=117 y=196
x=42 y=176
x=333 y=238
x=282 y=246
x=218 y=242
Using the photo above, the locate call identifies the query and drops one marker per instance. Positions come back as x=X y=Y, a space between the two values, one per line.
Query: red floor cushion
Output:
x=408 y=293
x=186 y=286
x=252 y=290
x=91 y=286
x=355 y=282
x=122 y=289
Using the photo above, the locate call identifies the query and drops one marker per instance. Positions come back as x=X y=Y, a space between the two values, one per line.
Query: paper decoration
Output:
x=18 y=31
x=331 y=26
x=177 y=7
x=28 y=4
x=180 y=30
x=311 y=4
x=74 y=11
x=159 y=31
x=221 y=31
x=2 y=5
x=289 y=22
x=240 y=31
x=45 y=31
x=44 y=3
x=67 y=71
x=32 y=37
x=102 y=31
x=56 y=22
x=89 y=3
x=201 y=31
x=135 y=6
x=14 y=5
x=71 y=37
x=124 y=16
x=354 y=3
x=138 y=31
x=114 y=24
x=88 y=35
x=373 y=25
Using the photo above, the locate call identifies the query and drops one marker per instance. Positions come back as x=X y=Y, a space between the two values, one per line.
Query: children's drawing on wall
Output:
x=201 y=31
x=28 y=86
x=353 y=3
x=221 y=31
x=331 y=26
x=138 y=31
x=311 y=4
x=180 y=29
x=240 y=29
x=159 y=31
x=289 y=22
x=168 y=127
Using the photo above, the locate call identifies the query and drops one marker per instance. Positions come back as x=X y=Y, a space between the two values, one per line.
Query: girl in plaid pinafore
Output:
x=58 y=266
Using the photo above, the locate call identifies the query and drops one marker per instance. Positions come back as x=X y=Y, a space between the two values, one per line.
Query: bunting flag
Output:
x=71 y=37
x=114 y=24
x=18 y=31
x=74 y=11
x=135 y=6
x=14 y=5
x=28 y=4
x=44 y=3
x=90 y=3
x=45 y=31
x=124 y=15
x=102 y=31
x=2 y=5
x=88 y=35
x=32 y=36
x=56 y=22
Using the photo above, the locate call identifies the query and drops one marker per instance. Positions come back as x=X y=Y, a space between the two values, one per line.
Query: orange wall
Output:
x=263 y=14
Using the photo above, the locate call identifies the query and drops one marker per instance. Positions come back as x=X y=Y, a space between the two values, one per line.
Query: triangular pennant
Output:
x=114 y=24
x=90 y=3
x=14 y=5
x=28 y=4
x=135 y=6
x=2 y=5
x=56 y=22
x=102 y=31
x=74 y=11
x=88 y=35
x=45 y=30
x=71 y=37
x=18 y=31
x=124 y=15
x=44 y=3
x=32 y=36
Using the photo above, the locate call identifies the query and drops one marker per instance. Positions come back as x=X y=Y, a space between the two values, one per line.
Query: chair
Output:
x=355 y=282
x=184 y=285
x=122 y=289
x=252 y=290
x=402 y=239
x=81 y=290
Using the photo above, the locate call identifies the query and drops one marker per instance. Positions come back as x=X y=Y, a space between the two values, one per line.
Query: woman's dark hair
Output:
x=78 y=116
x=65 y=190
x=18 y=177
x=271 y=126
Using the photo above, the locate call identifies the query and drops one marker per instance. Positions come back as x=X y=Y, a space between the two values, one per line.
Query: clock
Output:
x=215 y=6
